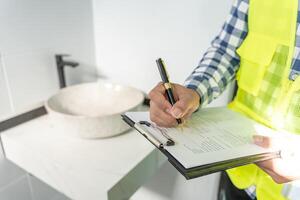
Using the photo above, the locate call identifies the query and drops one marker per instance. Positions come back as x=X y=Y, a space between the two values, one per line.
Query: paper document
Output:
x=212 y=135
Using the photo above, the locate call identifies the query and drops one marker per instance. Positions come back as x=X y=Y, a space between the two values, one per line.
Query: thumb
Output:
x=180 y=108
x=263 y=141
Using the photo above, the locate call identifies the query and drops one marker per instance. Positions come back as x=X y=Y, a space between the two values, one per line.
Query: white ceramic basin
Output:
x=92 y=110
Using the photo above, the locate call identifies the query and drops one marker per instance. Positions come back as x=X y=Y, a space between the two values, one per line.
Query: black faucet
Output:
x=60 y=63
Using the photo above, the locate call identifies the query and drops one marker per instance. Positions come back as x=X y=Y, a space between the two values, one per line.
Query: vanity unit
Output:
x=111 y=168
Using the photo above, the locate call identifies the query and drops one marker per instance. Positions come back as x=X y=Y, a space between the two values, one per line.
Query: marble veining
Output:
x=111 y=168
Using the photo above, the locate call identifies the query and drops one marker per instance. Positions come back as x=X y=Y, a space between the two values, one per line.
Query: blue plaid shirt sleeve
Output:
x=220 y=63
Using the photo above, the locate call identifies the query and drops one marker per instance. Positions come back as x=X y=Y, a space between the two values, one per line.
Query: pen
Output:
x=167 y=84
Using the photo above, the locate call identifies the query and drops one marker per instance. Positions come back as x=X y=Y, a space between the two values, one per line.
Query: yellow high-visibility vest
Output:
x=268 y=46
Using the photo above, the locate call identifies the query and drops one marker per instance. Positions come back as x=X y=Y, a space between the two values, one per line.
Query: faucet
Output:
x=60 y=63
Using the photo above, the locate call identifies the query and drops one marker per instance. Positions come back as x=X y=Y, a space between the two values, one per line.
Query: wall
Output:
x=131 y=34
x=5 y=106
x=32 y=32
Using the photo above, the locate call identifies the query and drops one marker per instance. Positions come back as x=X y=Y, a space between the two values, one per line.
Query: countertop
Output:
x=112 y=168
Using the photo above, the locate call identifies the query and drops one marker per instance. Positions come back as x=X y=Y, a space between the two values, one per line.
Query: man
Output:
x=259 y=46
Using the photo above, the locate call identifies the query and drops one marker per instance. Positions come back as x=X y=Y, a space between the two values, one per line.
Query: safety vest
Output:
x=265 y=92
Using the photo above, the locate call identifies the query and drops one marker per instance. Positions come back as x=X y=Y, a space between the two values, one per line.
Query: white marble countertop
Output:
x=111 y=168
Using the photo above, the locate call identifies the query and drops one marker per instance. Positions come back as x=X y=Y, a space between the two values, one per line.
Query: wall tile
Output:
x=32 y=77
x=30 y=25
x=20 y=190
x=1 y=153
x=9 y=172
x=43 y=191
x=5 y=108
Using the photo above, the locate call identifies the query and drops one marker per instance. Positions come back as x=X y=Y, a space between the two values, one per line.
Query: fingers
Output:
x=276 y=142
x=188 y=102
x=281 y=169
x=159 y=107
x=161 y=118
x=188 y=114
x=157 y=95
x=263 y=141
x=163 y=113
x=180 y=108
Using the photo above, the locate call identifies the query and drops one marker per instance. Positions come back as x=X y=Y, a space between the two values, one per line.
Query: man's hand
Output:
x=163 y=113
x=286 y=168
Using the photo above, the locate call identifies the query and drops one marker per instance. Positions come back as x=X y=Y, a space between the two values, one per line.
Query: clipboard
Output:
x=199 y=170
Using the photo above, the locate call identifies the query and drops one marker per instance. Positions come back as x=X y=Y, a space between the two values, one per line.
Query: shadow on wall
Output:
x=168 y=184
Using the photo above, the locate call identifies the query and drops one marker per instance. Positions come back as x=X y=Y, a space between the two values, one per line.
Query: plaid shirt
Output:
x=220 y=63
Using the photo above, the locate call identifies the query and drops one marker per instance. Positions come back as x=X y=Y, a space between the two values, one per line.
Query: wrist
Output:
x=196 y=98
x=201 y=88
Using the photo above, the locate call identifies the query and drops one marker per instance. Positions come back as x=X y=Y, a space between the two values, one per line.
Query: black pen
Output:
x=167 y=84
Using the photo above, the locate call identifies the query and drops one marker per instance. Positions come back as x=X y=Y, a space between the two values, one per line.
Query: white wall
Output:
x=32 y=31
x=131 y=34
x=5 y=106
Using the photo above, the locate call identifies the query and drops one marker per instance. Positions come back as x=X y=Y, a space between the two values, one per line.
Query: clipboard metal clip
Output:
x=139 y=127
x=170 y=141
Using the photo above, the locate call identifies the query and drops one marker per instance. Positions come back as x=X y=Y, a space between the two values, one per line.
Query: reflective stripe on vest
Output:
x=265 y=92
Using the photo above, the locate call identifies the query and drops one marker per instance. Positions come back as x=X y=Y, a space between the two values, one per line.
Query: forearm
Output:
x=220 y=63
x=215 y=71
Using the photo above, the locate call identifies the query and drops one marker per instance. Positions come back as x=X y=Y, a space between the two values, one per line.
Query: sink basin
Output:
x=92 y=110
